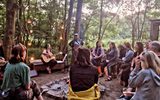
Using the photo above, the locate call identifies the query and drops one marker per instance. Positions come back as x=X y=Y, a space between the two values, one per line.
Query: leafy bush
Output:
x=34 y=52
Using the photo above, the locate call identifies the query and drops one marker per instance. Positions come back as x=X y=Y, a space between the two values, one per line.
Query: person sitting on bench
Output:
x=48 y=58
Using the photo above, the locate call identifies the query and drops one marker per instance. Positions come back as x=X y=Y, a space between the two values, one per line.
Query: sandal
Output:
x=108 y=79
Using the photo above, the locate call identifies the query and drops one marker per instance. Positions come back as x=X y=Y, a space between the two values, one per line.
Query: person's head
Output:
x=98 y=43
x=83 y=56
x=154 y=46
x=139 y=47
x=18 y=53
x=150 y=60
x=76 y=36
x=127 y=45
x=147 y=44
x=121 y=47
x=112 y=45
x=47 y=46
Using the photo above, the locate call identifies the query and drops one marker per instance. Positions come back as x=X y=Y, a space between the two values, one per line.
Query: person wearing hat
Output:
x=75 y=44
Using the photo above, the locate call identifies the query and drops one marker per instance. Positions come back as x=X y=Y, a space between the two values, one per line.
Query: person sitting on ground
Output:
x=83 y=78
x=155 y=47
x=17 y=78
x=48 y=58
x=147 y=80
x=97 y=55
x=110 y=62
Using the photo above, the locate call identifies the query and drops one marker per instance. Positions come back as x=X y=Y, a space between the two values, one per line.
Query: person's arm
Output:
x=82 y=42
x=25 y=77
x=114 y=57
x=136 y=78
x=137 y=75
x=102 y=53
x=129 y=55
x=93 y=53
x=71 y=44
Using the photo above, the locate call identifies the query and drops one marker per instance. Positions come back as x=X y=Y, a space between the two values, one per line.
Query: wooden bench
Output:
x=38 y=65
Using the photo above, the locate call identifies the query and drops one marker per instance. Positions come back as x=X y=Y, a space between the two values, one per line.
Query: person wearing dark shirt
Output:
x=97 y=55
x=75 y=44
x=83 y=75
x=111 y=60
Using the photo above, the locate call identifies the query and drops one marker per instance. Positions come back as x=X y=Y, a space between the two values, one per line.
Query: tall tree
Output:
x=68 y=24
x=11 y=10
x=20 y=22
x=78 y=16
x=101 y=19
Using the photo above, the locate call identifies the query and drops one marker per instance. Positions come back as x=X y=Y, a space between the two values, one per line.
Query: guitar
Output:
x=47 y=59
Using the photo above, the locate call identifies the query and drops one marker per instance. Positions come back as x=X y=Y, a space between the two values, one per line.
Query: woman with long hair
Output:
x=111 y=61
x=138 y=50
x=17 y=78
x=147 y=80
x=97 y=55
x=126 y=64
x=83 y=78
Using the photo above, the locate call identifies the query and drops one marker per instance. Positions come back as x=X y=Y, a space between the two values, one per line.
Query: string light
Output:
x=32 y=58
x=29 y=44
x=31 y=31
x=29 y=21
x=60 y=38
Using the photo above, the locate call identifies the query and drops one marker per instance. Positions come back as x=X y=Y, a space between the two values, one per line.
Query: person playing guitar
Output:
x=48 y=58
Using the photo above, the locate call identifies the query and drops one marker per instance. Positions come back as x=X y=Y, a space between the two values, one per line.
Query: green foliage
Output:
x=34 y=52
x=47 y=16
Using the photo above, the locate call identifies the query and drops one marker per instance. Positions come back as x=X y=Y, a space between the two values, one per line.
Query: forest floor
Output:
x=113 y=88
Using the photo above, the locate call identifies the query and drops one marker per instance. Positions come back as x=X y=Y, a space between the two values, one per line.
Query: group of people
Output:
x=139 y=70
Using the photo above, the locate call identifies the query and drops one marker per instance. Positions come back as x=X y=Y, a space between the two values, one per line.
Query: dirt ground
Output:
x=113 y=89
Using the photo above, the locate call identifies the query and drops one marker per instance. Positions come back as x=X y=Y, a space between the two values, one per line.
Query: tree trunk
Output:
x=144 y=19
x=11 y=9
x=68 y=25
x=78 y=16
x=63 y=40
x=19 y=37
x=101 y=18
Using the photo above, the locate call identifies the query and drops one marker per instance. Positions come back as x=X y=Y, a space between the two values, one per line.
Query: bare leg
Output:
x=49 y=70
x=100 y=71
x=106 y=73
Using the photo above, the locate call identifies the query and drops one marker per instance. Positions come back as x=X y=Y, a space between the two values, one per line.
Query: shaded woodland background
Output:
x=37 y=22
